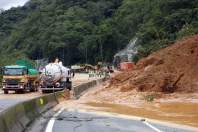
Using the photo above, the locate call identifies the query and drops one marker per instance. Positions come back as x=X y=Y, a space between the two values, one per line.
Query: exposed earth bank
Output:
x=173 y=69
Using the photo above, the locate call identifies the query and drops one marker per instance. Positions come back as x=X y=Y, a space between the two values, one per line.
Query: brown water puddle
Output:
x=181 y=113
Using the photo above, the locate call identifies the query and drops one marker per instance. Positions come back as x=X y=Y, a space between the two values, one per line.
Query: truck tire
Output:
x=32 y=89
x=69 y=85
x=30 y=86
x=5 y=91
x=19 y=91
x=45 y=91
x=36 y=86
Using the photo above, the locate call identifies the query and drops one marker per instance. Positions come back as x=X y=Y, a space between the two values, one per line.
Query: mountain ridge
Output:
x=79 y=31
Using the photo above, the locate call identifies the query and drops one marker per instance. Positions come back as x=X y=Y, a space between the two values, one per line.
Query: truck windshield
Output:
x=15 y=72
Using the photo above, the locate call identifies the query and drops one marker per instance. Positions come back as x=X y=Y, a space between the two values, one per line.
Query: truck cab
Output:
x=18 y=78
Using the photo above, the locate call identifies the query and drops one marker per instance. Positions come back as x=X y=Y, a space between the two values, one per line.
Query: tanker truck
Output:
x=55 y=77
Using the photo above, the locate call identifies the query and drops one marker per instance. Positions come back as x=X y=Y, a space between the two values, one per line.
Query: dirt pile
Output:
x=173 y=69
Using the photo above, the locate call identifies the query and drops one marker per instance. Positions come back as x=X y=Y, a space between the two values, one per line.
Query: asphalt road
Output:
x=77 y=121
x=7 y=100
x=4 y=103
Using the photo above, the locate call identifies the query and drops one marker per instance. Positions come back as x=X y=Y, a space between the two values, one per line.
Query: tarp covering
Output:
x=32 y=72
x=26 y=63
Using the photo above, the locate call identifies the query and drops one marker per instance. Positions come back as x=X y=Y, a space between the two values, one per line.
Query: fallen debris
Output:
x=173 y=69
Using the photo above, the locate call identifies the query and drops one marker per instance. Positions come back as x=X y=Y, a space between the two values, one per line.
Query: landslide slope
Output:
x=173 y=69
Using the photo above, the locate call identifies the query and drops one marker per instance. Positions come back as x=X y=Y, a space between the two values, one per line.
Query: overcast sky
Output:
x=7 y=4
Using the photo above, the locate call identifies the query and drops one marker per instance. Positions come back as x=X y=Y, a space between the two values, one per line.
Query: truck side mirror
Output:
x=2 y=70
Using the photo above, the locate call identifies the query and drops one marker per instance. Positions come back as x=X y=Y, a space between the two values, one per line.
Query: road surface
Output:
x=67 y=120
x=7 y=100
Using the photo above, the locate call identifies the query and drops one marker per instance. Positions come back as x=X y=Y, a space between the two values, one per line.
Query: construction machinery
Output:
x=19 y=78
x=55 y=77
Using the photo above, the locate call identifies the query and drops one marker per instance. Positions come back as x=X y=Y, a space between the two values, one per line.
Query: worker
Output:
x=73 y=73
x=56 y=60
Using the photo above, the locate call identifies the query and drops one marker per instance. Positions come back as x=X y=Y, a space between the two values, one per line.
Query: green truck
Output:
x=20 y=77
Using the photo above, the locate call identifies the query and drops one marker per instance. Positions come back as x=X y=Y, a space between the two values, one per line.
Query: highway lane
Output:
x=85 y=121
x=4 y=103
x=7 y=100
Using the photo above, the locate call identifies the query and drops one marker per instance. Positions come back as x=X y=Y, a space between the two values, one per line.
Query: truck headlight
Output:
x=21 y=86
x=4 y=86
x=22 y=80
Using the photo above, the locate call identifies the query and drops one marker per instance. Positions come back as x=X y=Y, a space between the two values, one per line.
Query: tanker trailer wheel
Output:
x=69 y=85
x=46 y=91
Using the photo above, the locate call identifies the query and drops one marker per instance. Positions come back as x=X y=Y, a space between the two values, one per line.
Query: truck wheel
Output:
x=69 y=85
x=19 y=91
x=32 y=89
x=43 y=91
x=36 y=87
x=46 y=91
x=30 y=86
x=5 y=91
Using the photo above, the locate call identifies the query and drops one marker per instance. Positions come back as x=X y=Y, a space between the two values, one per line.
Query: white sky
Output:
x=7 y=4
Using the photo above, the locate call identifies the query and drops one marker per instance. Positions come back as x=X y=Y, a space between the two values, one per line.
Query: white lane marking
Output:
x=121 y=116
x=50 y=124
x=163 y=123
x=151 y=126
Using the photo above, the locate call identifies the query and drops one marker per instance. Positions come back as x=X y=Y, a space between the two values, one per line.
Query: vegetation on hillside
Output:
x=79 y=31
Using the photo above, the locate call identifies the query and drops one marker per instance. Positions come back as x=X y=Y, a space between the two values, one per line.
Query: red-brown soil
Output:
x=173 y=69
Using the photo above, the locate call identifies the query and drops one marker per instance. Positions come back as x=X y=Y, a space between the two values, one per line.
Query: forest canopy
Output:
x=88 y=31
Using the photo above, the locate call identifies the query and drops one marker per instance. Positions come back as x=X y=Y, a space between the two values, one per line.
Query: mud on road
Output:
x=176 y=108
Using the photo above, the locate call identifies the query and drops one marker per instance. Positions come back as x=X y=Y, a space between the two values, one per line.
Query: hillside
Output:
x=173 y=69
x=75 y=30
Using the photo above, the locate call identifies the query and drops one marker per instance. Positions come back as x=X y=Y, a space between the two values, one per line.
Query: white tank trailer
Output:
x=55 y=77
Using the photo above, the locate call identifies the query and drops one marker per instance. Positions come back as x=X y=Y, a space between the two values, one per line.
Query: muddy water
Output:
x=181 y=113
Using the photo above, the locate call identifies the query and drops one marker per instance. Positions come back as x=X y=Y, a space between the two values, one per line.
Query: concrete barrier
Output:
x=16 y=118
x=79 y=90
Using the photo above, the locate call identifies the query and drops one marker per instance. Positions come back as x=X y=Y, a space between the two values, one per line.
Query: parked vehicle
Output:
x=55 y=77
x=19 y=78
